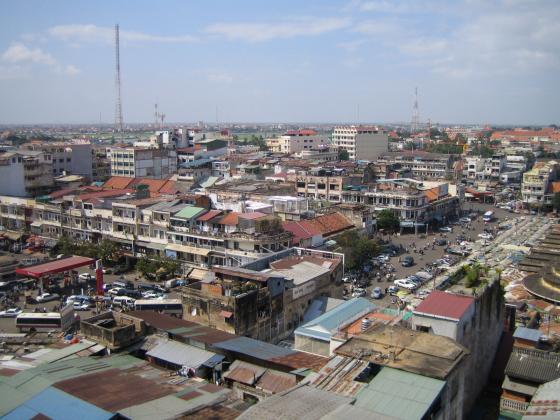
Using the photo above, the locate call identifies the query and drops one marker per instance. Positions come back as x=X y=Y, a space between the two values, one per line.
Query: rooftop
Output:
x=330 y=322
x=400 y=348
x=533 y=365
x=444 y=305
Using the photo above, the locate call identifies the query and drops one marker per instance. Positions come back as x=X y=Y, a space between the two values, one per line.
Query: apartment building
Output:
x=321 y=154
x=422 y=165
x=537 y=185
x=267 y=298
x=486 y=169
x=296 y=141
x=25 y=173
x=73 y=157
x=100 y=165
x=326 y=187
x=140 y=162
x=361 y=142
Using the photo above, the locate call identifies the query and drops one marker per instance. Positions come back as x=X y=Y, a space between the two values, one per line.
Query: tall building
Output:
x=74 y=157
x=539 y=184
x=361 y=142
x=25 y=173
x=139 y=162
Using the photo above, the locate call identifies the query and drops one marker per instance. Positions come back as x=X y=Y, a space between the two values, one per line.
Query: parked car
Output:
x=79 y=306
x=377 y=293
x=485 y=236
x=47 y=297
x=407 y=261
x=392 y=290
x=107 y=270
x=84 y=277
x=446 y=229
x=358 y=292
x=405 y=284
x=465 y=220
x=440 y=242
x=117 y=291
x=10 y=313
x=150 y=295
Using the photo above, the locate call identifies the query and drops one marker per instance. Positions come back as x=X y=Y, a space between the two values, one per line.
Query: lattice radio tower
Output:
x=118 y=104
x=415 y=124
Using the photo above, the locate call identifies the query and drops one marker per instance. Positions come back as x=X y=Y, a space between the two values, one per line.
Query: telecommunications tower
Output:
x=415 y=123
x=118 y=104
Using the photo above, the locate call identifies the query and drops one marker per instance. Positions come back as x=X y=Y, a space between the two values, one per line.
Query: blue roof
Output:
x=527 y=334
x=324 y=326
x=57 y=404
x=254 y=348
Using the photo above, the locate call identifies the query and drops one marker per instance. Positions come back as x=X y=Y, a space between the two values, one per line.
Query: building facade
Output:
x=296 y=141
x=155 y=163
x=361 y=143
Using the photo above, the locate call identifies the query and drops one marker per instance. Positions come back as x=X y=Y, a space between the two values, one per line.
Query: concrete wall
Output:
x=371 y=146
x=12 y=181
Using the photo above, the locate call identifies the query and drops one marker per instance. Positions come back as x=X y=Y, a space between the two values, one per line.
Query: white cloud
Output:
x=77 y=33
x=262 y=32
x=20 y=53
x=71 y=70
x=219 y=77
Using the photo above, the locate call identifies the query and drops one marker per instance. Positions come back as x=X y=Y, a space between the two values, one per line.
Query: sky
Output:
x=473 y=61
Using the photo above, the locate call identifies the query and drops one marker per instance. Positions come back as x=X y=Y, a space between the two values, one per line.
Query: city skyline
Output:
x=473 y=62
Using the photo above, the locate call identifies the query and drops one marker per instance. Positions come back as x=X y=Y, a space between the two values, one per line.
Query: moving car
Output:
x=47 y=297
x=446 y=229
x=10 y=313
x=407 y=261
x=376 y=293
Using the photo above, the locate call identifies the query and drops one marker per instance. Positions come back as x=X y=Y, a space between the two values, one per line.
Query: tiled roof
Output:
x=432 y=194
x=251 y=216
x=230 y=219
x=444 y=305
x=209 y=215
x=329 y=224
x=170 y=187
x=533 y=365
x=301 y=229
x=118 y=182
x=555 y=186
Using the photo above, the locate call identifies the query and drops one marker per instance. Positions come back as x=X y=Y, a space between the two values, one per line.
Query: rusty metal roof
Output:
x=245 y=373
x=274 y=381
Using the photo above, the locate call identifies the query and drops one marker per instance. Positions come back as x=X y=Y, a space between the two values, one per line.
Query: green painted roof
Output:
x=399 y=394
x=189 y=212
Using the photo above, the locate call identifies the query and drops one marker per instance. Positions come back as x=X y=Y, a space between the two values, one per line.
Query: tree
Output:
x=343 y=154
x=107 y=250
x=170 y=265
x=358 y=249
x=65 y=245
x=146 y=266
x=387 y=220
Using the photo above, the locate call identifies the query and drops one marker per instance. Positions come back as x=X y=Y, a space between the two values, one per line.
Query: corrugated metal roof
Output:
x=445 y=305
x=527 y=334
x=302 y=403
x=57 y=404
x=189 y=212
x=274 y=382
x=254 y=348
x=245 y=373
x=180 y=354
x=328 y=323
x=399 y=394
x=545 y=404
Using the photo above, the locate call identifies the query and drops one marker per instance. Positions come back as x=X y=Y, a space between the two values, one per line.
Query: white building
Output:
x=296 y=141
x=74 y=157
x=361 y=142
x=25 y=173
x=143 y=162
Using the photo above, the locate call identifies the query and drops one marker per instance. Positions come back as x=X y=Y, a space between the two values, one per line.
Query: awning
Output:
x=188 y=249
x=14 y=236
x=197 y=274
x=226 y=314
x=151 y=245
x=36 y=224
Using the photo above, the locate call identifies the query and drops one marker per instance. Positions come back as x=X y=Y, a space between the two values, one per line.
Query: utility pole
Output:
x=415 y=114
x=118 y=104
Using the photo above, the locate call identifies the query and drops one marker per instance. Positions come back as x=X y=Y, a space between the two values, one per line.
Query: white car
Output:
x=47 y=297
x=405 y=284
x=465 y=220
x=485 y=236
x=116 y=290
x=10 y=313
x=85 y=277
x=383 y=258
x=359 y=293
x=446 y=229
x=150 y=295
x=78 y=306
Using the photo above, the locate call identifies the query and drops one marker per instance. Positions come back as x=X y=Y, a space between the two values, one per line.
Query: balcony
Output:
x=513 y=405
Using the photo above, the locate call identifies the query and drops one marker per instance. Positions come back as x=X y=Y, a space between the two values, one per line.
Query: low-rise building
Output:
x=26 y=173
x=74 y=157
x=143 y=162
x=422 y=165
x=296 y=141
x=536 y=188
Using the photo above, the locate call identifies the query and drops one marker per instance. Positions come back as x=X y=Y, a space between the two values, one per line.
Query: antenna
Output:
x=118 y=104
x=162 y=117
x=156 y=116
x=415 y=113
